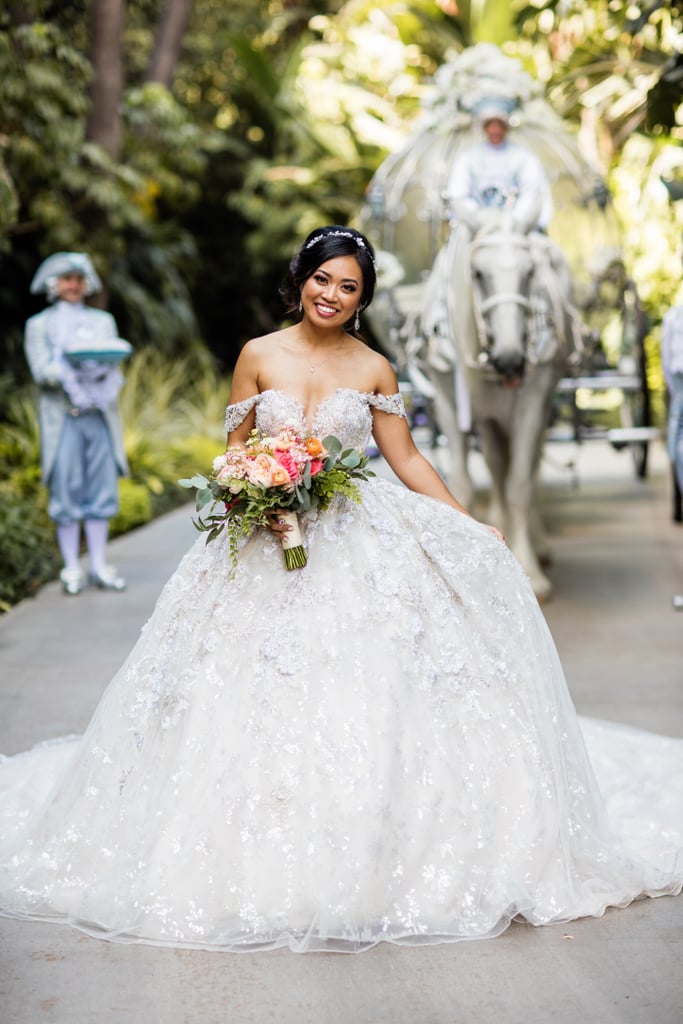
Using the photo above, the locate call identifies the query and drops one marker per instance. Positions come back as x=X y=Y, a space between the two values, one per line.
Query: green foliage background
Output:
x=278 y=114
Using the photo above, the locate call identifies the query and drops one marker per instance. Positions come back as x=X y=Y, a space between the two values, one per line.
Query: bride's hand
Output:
x=496 y=532
x=277 y=524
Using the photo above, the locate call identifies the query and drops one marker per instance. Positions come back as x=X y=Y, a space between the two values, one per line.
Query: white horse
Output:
x=497 y=328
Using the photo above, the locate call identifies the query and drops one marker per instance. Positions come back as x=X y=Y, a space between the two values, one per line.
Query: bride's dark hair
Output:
x=324 y=244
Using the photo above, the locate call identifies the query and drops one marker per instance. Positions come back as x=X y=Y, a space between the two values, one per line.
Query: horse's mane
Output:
x=498 y=221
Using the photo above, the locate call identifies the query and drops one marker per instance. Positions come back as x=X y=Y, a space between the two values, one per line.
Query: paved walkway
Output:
x=618 y=561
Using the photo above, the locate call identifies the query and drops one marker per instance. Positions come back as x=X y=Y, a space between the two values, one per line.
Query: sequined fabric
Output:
x=379 y=746
x=344 y=413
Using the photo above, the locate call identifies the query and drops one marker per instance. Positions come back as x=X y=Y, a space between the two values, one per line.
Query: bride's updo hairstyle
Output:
x=325 y=244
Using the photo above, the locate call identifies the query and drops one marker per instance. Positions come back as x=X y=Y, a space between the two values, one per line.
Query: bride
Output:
x=377 y=747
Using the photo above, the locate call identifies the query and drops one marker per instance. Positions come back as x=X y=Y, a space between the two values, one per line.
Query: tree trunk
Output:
x=168 y=41
x=106 y=44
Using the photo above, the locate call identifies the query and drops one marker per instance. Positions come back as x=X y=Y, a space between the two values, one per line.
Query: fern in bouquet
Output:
x=286 y=474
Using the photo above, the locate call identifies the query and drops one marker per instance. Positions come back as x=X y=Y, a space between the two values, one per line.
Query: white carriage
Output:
x=604 y=393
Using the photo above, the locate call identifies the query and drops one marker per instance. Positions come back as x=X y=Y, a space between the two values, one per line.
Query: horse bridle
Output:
x=561 y=309
x=481 y=308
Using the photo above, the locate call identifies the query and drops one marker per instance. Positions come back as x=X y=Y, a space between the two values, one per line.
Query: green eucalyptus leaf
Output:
x=332 y=445
x=194 y=481
x=204 y=496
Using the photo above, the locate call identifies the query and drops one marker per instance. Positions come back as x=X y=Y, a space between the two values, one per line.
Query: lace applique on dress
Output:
x=388 y=403
x=345 y=413
x=237 y=413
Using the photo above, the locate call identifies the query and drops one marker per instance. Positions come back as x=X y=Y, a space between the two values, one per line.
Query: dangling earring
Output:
x=356 y=322
x=301 y=306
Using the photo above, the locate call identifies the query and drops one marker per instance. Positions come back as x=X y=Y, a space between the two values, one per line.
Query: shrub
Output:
x=135 y=507
x=28 y=552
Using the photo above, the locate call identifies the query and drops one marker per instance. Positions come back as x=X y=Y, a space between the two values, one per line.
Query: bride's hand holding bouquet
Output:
x=267 y=481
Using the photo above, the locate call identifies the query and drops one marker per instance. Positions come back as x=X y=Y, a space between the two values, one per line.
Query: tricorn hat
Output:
x=61 y=263
x=494 y=107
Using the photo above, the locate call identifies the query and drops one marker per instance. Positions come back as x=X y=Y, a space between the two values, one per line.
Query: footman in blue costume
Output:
x=74 y=352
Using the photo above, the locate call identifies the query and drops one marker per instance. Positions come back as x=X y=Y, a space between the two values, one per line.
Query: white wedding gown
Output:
x=379 y=746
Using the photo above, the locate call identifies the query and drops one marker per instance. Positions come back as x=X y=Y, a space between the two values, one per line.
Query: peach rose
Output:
x=279 y=477
x=286 y=439
x=260 y=470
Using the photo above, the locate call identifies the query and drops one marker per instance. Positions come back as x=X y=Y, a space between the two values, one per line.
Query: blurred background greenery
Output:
x=188 y=146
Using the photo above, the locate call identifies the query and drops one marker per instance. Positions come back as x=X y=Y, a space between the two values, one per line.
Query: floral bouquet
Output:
x=288 y=474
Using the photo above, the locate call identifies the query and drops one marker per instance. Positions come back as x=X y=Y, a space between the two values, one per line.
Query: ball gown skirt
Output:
x=379 y=746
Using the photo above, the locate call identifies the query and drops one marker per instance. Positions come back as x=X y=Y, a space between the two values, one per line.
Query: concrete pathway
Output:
x=618 y=562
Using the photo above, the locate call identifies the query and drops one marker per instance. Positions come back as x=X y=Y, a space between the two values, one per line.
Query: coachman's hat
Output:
x=491 y=108
x=61 y=263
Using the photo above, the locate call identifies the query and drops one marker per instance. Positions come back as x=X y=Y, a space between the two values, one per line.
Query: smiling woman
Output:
x=331 y=280
x=327 y=244
x=376 y=747
x=333 y=291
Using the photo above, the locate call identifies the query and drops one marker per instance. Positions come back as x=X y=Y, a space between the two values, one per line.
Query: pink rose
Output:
x=316 y=466
x=231 y=466
x=227 y=474
x=288 y=462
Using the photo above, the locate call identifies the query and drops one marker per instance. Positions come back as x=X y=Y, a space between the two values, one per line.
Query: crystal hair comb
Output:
x=340 y=234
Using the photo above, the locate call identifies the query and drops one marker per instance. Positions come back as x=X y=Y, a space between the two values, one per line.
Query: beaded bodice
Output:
x=346 y=414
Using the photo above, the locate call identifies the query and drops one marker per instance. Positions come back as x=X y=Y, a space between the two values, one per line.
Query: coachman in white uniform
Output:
x=74 y=352
x=499 y=174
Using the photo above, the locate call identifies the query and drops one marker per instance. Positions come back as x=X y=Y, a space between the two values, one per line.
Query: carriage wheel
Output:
x=636 y=405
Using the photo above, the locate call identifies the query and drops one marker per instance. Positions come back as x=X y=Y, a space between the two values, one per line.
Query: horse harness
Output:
x=546 y=307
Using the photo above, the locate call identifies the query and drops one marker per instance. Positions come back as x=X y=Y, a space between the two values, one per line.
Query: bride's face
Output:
x=330 y=296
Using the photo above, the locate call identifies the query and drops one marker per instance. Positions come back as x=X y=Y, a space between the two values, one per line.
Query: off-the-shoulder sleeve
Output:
x=388 y=403
x=237 y=413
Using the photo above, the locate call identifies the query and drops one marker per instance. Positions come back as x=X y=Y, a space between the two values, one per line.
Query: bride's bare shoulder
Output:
x=380 y=368
x=264 y=346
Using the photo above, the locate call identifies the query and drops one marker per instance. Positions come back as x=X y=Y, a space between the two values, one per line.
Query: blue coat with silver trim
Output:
x=44 y=362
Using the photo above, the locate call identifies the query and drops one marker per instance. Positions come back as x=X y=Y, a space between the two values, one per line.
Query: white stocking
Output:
x=96 y=531
x=68 y=538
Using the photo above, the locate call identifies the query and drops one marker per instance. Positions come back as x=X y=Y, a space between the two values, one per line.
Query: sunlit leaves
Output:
x=617 y=57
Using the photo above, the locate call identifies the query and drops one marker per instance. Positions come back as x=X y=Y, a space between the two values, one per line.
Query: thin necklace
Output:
x=312 y=367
